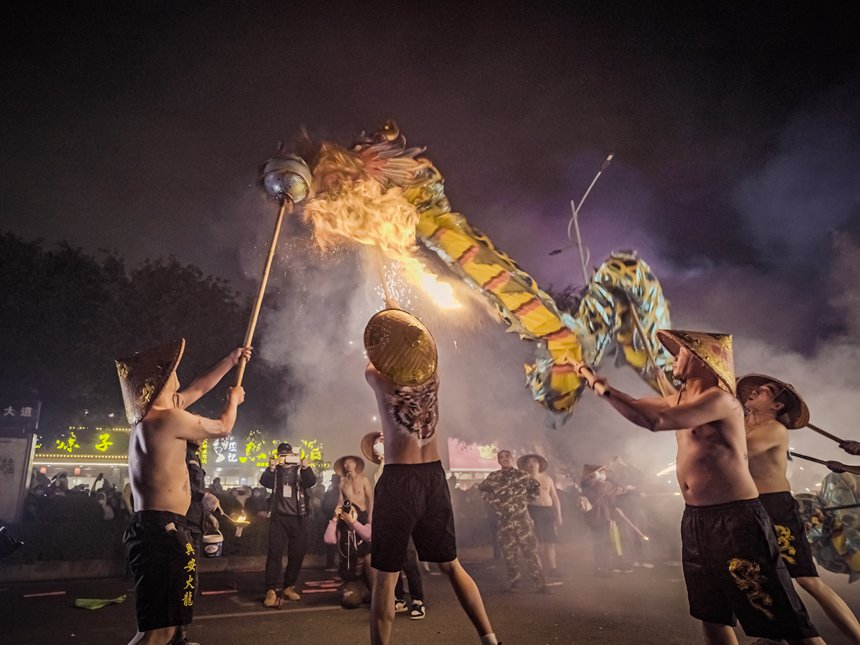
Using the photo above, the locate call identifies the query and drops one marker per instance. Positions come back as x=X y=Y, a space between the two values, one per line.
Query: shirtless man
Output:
x=355 y=486
x=412 y=498
x=773 y=408
x=545 y=510
x=158 y=543
x=731 y=557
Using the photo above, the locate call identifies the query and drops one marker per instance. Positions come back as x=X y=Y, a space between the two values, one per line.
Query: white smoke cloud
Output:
x=323 y=303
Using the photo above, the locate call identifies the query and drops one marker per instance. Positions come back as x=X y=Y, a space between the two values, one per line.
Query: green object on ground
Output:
x=98 y=603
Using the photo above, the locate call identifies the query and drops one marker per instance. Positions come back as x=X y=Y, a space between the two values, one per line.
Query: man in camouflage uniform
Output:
x=508 y=491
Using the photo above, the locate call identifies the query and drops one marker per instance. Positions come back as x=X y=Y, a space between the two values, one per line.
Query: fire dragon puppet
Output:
x=380 y=192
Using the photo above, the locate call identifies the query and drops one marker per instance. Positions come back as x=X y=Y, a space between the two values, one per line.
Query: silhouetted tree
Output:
x=66 y=315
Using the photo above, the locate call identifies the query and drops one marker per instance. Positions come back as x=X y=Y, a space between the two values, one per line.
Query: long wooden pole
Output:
x=807 y=457
x=825 y=433
x=286 y=205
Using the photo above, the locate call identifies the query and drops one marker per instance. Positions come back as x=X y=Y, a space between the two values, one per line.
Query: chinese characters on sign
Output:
x=69 y=443
x=25 y=411
x=7 y=466
x=20 y=415
x=104 y=442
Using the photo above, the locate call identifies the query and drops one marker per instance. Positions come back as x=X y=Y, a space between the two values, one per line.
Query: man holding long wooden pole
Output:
x=773 y=408
x=731 y=558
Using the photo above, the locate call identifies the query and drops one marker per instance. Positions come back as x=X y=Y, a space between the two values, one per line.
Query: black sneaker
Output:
x=399 y=606
x=417 y=611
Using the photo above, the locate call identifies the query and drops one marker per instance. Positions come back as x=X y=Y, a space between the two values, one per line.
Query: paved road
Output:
x=644 y=607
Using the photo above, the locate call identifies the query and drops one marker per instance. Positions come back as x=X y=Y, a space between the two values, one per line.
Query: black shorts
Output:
x=733 y=569
x=412 y=500
x=790 y=534
x=164 y=563
x=544 y=521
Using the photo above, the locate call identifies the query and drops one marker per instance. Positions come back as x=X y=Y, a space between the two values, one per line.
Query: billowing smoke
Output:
x=795 y=314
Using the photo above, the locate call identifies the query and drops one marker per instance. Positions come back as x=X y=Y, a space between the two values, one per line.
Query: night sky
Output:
x=139 y=127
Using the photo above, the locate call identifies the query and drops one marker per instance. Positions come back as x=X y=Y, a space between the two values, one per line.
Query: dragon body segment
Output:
x=623 y=293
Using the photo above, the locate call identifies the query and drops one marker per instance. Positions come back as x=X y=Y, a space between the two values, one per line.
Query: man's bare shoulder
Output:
x=717 y=397
x=161 y=419
x=770 y=429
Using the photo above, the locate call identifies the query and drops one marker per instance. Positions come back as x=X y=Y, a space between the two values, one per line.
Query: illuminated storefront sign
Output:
x=22 y=415
x=464 y=456
x=110 y=444
x=78 y=443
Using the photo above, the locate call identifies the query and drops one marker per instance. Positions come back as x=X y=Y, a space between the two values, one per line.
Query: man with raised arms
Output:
x=773 y=408
x=411 y=497
x=731 y=559
x=159 y=546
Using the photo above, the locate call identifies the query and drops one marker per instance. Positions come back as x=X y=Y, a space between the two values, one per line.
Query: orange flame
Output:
x=363 y=211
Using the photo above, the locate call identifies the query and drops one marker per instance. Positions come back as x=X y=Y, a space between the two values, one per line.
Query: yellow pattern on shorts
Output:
x=785 y=538
x=749 y=579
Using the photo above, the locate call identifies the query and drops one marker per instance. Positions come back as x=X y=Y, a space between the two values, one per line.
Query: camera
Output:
x=289 y=459
x=346 y=506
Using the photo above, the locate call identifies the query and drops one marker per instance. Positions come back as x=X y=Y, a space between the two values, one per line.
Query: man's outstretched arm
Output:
x=657 y=413
x=851 y=447
x=202 y=384
x=197 y=428
x=839 y=467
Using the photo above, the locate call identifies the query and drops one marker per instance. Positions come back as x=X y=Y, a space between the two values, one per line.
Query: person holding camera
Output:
x=289 y=478
x=352 y=537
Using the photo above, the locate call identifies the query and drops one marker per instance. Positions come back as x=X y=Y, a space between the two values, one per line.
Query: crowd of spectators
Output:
x=51 y=500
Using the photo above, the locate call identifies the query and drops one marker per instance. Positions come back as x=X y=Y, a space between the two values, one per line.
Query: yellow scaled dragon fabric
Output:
x=622 y=292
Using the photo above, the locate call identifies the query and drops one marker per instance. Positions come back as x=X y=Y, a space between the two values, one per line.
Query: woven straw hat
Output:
x=400 y=347
x=367 y=442
x=338 y=465
x=589 y=469
x=714 y=350
x=144 y=375
x=794 y=416
x=543 y=463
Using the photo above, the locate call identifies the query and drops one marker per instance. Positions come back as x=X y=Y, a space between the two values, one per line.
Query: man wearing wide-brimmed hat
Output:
x=602 y=496
x=773 y=408
x=545 y=510
x=354 y=485
x=159 y=546
x=411 y=497
x=373 y=448
x=731 y=559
